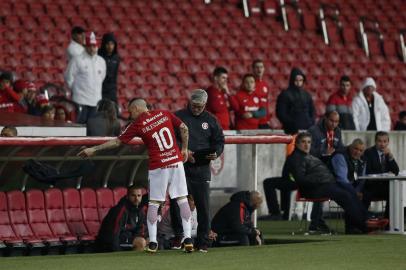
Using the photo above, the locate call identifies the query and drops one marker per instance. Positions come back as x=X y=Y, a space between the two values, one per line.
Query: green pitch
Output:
x=283 y=251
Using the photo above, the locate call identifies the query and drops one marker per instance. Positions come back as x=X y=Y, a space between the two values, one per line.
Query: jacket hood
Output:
x=107 y=38
x=368 y=82
x=242 y=196
x=295 y=72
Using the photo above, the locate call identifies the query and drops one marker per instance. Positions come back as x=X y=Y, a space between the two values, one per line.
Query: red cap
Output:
x=91 y=39
x=42 y=99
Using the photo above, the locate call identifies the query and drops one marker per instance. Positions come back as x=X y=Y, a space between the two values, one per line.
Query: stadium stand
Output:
x=181 y=41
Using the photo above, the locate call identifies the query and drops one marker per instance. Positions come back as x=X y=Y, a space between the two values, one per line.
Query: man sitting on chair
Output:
x=315 y=180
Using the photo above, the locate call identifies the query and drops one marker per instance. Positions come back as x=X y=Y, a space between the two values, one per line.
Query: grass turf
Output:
x=284 y=251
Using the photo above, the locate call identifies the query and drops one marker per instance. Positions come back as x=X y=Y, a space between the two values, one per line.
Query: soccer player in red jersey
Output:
x=156 y=129
x=262 y=91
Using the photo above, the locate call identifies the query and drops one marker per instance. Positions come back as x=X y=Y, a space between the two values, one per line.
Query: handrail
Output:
x=283 y=5
x=324 y=14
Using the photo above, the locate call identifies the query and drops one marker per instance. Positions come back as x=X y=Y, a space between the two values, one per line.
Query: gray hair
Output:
x=199 y=96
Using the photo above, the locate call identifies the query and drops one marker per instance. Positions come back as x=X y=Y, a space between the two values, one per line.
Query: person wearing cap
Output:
x=369 y=109
x=206 y=143
x=84 y=76
x=28 y=93
x=108 y=50
x=77 y=43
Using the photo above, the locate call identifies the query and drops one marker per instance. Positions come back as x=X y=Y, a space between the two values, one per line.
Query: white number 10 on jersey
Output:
x=161 y=139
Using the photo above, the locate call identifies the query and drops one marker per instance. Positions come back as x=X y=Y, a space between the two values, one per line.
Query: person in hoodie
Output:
x=108 y=50
x=248 y=105
x=294 y=106
x=370 y=111
x=401 y=123
x=233 y=223
x=123 y=226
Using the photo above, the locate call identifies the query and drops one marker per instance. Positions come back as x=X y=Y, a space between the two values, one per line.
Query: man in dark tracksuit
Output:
x=315 y=180
x=233 y=222
x=206 y=143
x=123 y=226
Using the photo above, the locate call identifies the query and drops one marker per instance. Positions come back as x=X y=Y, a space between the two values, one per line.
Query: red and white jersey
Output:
x=156 y=129
x=262 y=91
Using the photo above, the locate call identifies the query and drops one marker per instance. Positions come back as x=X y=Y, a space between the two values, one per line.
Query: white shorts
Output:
x=171 y=178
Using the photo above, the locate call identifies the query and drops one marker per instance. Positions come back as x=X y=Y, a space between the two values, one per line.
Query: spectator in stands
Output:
x=48 y=112
x=369 y=109
x=104 y=122
x=262 y=91
x=9 y=131
x=61 y=113
x=28 y=93
x=9 y=99
x=379 y=159
x=85 y=75
x=315 y=180
x=77 y=43
x=233 y=222
x=206 y=143
x=347 y=165
x=123 y=226
x=218 y=97
x=341 y=102
x=108 y=50
x=401 y=124
x=248 y=106
x=294 y=106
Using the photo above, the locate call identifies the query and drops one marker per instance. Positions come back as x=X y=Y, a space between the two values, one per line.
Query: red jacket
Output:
x=218 y=103
x=246 y=103
x=262 y=91
x=9 y=101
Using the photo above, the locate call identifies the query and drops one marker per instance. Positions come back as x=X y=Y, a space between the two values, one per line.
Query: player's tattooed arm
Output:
x=184 y=136
x=88 y=152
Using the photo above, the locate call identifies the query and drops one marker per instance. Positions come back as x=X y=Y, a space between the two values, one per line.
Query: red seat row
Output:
x=53 y=217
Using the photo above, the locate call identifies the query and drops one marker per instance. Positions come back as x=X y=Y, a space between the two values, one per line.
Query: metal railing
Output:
x=369 y=26
x=329 y=11
x=294 y=4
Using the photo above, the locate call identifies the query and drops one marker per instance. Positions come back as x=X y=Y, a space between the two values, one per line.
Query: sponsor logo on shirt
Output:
x=250 y=108
x=169 y=159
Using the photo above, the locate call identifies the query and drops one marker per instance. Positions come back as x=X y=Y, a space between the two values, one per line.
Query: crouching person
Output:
x=123 y=226
x=233 y=222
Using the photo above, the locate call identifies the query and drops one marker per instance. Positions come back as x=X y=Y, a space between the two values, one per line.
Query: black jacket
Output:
x=319 y=139
x=205 y=136
x=235 y=216
x=294 y=106
x=309 y=172
x=109 y=88
x=121 y=225
x=399 y=126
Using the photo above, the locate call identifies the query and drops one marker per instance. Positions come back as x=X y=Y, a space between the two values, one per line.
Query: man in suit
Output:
x=379 y=159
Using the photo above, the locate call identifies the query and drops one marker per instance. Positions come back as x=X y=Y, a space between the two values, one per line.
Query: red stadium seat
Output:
x=73 y=214
x=89 y=210
x=19 y=220
x=105 y=201
x=118 y=193
x=56 y=216
x=37 y=217
x=7 y=234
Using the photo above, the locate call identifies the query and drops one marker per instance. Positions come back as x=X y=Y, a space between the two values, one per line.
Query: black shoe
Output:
x=152 y=247
x=188 y=245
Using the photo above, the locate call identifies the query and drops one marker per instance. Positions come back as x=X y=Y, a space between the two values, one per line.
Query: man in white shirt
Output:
x=84 y=76
x=76 y=45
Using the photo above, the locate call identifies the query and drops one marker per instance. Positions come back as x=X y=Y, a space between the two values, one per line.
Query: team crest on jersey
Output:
x=256 y=100
x=205 y=125
x=265 y=89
